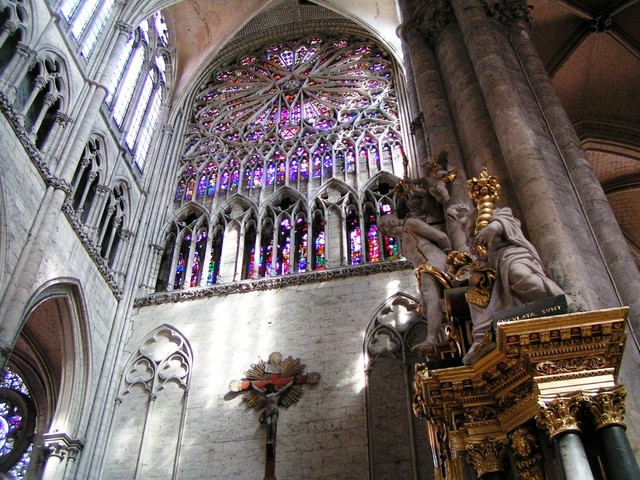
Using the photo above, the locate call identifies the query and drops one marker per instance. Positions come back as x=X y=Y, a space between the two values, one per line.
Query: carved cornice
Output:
x=607 y=407
x=271 y=283
x=488 y=454
x=558 y=415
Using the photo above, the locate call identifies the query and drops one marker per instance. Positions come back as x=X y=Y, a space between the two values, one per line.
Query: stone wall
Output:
x=324 y=435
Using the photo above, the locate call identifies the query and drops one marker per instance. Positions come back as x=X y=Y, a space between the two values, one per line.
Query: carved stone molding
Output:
x=607 y=407
x=558 y=415
x=487 y=454
x=271 y=283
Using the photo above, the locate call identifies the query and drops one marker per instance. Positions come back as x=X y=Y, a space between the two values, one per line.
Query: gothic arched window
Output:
x=138 y=85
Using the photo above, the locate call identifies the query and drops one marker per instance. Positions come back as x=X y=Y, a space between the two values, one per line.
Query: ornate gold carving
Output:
x=480 y=413
x=607 y=407
x=483 y=277
x=567 y=365
x=487 y=455
x=558 y=415
x=439 y=274
x=528 y=462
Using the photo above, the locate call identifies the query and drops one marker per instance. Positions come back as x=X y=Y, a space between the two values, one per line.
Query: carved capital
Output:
x=61 y=446
x=416 y=123
x=433 y=17
x=607 y=406
x=102 y=190
x=25 y=51
x=63 y=119
x=124 y=27
x=10 y=27
x=507 y=11
x=488 y=454
x=558 y=415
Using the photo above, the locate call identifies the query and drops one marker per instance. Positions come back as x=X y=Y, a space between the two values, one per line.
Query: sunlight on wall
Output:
x=393 y=287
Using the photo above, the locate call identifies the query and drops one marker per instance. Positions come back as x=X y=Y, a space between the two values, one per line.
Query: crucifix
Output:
x=267 y=386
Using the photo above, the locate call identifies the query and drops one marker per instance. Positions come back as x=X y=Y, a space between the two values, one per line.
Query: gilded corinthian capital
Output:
x=488 y=454
x=607 y=406
x=558 y=415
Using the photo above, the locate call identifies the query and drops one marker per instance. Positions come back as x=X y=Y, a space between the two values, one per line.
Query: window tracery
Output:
x=296 y=132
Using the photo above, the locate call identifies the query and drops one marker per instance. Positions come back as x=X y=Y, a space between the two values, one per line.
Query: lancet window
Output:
x=138 y=85
x=294 y=149
x=87 y=20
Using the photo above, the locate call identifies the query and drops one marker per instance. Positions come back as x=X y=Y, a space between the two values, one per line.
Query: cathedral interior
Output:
x=319 y=239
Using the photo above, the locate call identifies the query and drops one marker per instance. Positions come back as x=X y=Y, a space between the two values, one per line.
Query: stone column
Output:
x=557 y=417
x=551 y=209
x=17 y=69
x=415 y=30
x=605 y=226
x=608 y=409
x=487 y=456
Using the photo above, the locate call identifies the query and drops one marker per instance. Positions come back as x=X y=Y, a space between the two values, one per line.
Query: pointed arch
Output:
x=154 y=383
x=395 y=326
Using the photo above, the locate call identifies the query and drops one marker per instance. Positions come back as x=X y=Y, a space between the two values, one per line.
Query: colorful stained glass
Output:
x=281 y=173
x=213 y=180
x=355 y=239
x=257 y=176
x=283 y=262
x=12 y=426
x=302 y=244
x=224 y=180
x=180 y=190
x=178 y=282
x=373 y=241
x=188 y=195
x=271 y=174
x=198 y=258
x=246 y=178
x=293 y=170
x=202 y=185
x=252 y=262
x=319 y=247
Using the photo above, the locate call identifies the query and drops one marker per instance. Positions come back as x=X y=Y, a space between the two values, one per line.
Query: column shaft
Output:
x=572 y=457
